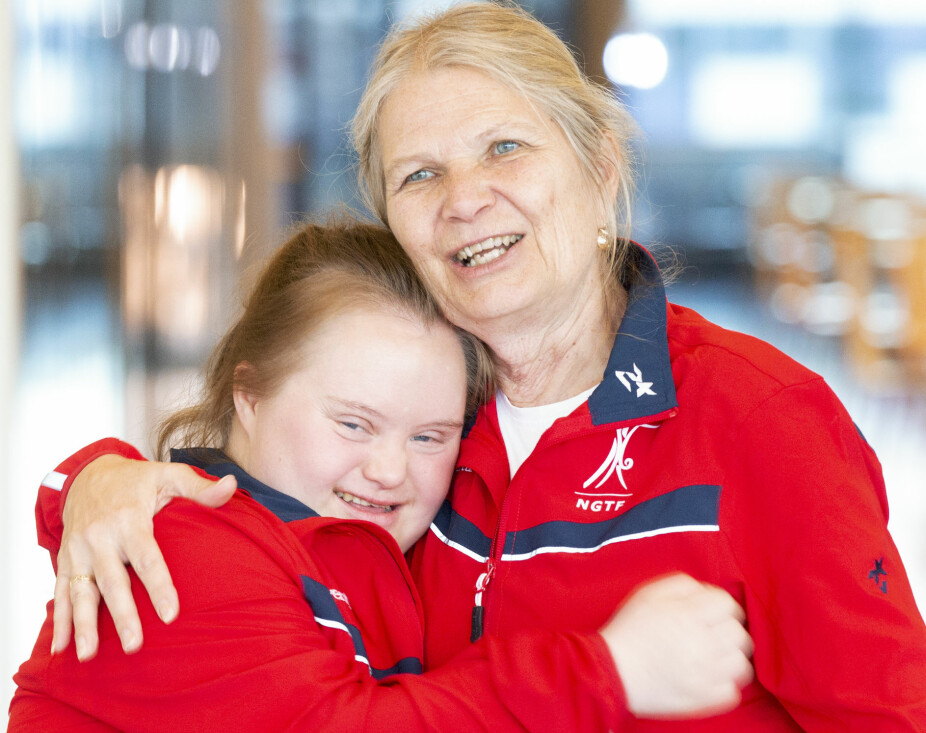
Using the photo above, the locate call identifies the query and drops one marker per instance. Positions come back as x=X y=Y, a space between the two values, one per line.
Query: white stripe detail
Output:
x=335 y=625
x=55 y=480
x=332 y=624
x=623 y=538
x=456 y=546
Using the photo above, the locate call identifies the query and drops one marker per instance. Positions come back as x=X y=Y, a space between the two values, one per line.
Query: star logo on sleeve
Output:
x=877 y=573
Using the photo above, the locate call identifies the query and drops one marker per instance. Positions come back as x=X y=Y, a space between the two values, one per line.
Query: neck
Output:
x=554 y=361
x=237 y=446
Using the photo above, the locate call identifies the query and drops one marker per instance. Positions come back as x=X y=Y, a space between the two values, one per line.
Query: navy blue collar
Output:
x=216 y=463
x=638 y=380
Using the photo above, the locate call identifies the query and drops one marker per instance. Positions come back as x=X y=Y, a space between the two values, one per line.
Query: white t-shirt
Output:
x=523 y=426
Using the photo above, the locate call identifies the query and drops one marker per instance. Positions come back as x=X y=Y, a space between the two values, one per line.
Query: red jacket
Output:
x=708 y=452
x=292 y=621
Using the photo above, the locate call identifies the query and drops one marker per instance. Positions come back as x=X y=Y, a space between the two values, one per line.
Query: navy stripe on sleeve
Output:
x=327 y=614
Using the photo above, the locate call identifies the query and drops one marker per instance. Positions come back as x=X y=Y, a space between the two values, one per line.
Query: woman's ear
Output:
x=245 y=401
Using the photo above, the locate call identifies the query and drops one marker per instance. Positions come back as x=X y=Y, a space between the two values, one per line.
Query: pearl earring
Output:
x=603 y=243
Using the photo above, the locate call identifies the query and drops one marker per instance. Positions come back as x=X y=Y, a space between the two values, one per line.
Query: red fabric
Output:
x=246 y=652
x=800 y=538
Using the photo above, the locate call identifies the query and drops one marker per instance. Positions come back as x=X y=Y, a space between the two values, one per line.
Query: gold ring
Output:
x=82 y=578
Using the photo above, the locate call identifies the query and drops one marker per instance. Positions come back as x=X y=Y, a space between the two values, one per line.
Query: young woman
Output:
x=337 y=403
x=629 y=436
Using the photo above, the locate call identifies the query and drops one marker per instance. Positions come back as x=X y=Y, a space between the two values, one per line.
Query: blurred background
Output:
x=153 y=151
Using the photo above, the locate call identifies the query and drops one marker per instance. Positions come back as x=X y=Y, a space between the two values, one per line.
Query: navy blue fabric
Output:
x=216 y=463
x=638 y=379
x=687 y=506
x=327 y=614
x=461 y=531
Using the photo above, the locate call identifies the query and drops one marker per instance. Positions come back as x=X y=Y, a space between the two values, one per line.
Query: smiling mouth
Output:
x=357 y=501
x=487 y=250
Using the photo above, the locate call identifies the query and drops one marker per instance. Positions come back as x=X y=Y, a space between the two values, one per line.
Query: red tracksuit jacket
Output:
x=292 y=621
x=708 y=452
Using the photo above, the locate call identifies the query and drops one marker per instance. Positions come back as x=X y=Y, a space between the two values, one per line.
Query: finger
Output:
x=715 y=605
x=145 y=557
x=115 y=587
x=179 y=480
x=62 y=613
x=85 y=601
x=216 y=493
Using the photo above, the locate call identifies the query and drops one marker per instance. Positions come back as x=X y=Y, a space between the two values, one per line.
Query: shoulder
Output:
x=718 y=363
x=228 y=545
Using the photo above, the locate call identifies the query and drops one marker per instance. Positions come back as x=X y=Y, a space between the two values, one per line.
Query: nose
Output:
x=466 y=192
x=387 y=464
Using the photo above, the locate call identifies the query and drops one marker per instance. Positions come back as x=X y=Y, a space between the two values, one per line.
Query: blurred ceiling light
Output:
x=110 y=18
x=206 y=51
x=811 y=200
x=635 y=59
x=136 y=45
x=169 y=47
x=830 y=308
x=886 y=218
x=188 y=201
x=884 y=317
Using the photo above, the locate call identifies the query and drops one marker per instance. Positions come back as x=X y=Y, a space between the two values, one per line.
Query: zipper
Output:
x=478 y=609
x=492 y=562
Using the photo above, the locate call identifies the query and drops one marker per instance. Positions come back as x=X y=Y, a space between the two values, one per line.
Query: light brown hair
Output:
x=514 y=49
x=319 y=272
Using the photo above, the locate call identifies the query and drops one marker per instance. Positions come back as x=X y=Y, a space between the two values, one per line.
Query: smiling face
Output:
x=489 y=199
x=368 y=427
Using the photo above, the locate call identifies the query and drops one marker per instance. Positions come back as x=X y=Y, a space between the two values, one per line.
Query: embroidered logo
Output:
x=636 y=376
x=877 y=573
x=339 y=596
x=615 y=463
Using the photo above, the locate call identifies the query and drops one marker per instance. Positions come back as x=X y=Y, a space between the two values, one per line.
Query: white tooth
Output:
x=477 y=248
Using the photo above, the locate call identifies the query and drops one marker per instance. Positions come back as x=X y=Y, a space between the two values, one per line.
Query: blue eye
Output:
x=418 y=176
x=505 y=146
x=423 y=438
x=351 y=425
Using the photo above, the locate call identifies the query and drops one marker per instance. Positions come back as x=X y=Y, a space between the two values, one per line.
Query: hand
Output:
x=680 y=649
x=108 y=522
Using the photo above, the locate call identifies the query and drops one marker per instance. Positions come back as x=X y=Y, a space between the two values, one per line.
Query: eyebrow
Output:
x=366 y=409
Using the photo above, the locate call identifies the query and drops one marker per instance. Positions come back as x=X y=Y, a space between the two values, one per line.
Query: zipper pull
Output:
x=478 y=610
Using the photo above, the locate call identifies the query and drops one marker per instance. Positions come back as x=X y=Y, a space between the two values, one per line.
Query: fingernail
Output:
x=81 y=648
x=129 y=640
x=167 y=612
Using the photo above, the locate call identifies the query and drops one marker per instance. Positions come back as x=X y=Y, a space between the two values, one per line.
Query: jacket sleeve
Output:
x=838 y=637
x=56 y=484
x=247 y=654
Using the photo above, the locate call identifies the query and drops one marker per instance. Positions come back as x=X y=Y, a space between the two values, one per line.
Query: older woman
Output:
x=629 y=437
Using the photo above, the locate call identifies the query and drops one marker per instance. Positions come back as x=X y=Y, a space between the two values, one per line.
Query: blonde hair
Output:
x=516 y=50
x=319 y=272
